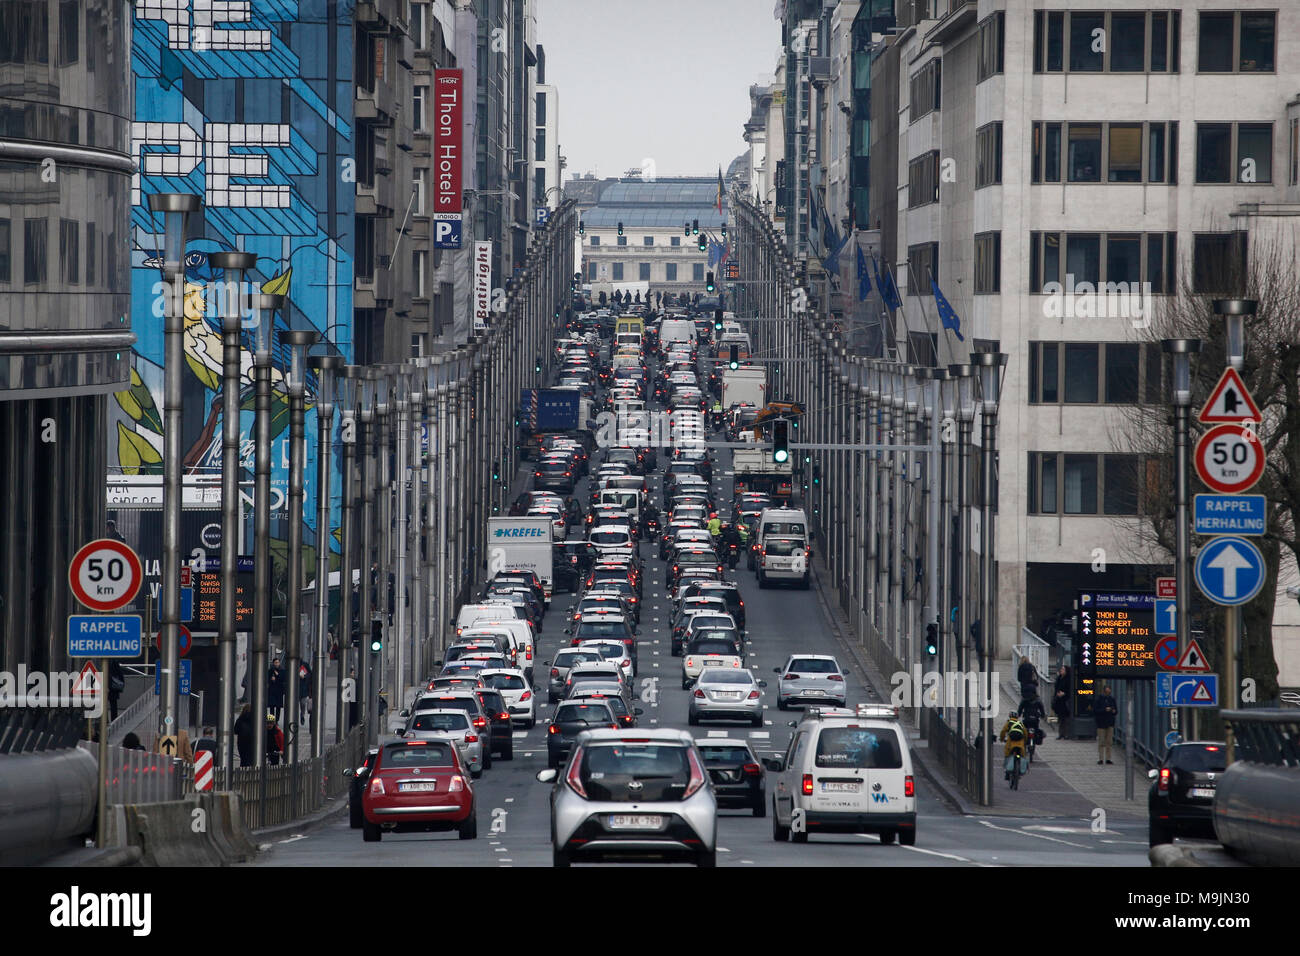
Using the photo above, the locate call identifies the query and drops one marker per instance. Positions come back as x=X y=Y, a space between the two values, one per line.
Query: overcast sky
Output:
x=661 y=80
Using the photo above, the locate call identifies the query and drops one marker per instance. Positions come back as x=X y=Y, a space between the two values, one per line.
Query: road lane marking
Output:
x=946 y=856
x=1039 y=836
x=510 y=799
x=293 y=839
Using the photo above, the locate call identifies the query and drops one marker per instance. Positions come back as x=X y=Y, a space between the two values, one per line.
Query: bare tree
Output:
x=1270 y=371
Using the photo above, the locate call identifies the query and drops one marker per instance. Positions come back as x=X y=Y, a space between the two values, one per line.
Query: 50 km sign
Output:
x=105 y=575
x=1229 y=458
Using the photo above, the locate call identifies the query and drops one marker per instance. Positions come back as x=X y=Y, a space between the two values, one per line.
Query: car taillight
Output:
x=529 y=654
x=752 y=770
x=457 y=784
x=504 y=715
x=376 y=787
x=537 y=474
x=572 y=779
x=526 y=695
x=690 y=662
x=698 y=776
x=1163 y=785
x=555 y=672
x=753 y=695
x=807 y=783
x=480 y=722
x=699 y=693
x=471 y=738
x=909 y=787
x=837 y=677
x=552 y=729
x=790 y=677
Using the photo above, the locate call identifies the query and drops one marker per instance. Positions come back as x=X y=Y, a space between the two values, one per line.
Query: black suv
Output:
x=502 y=737
x=571 y=718
x=726 y=590
x=1181 y=802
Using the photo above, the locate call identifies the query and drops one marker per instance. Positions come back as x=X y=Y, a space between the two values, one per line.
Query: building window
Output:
x=70 y=251
x=591 y=271
x=1079 y=484
x=595 y=240
x=647 y=240
x=922 y=267
x=421 y=191
x=618 y=271
x=1219 y=262
x=1215 y=159
x=69 y=32
x=91 y=250
x=1293 y=154
x=1105 y=152
x=1116 y=42
x=6 y=251
x=541 y=109
x=925 y=90
x=988 y=155
x=622 y=240
x=643 y=271
x=1122 y=371
x=36 y=250
x=540 y=154
x=1240 y=42
x=1074 y=484
x=923 y=180
x=991 y=31
x=988 y=263
x=1080 y=373
x=670 y=271
x=419 y=271
x=675 y=241
x=364 y=259
x=419 y=110
x=539 y=185
x=419 y=29
x=697 y=272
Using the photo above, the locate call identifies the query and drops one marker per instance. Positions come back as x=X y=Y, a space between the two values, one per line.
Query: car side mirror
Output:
x=762 y=683
x=637 y=711
x=776 y=670
x=404 y=713
x=546 y=663
x=568 y=630
x=438 y=662
x=547 y=776
x=776 y=764
x=793 y=723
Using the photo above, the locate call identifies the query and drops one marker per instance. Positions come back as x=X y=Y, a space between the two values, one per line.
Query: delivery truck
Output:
x=522 y=544
x=744 y=386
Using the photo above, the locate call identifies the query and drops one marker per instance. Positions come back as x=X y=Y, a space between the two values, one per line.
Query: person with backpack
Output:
x=274 y=740
x=1031 y=712
x=116 y=684
x=1016 y=735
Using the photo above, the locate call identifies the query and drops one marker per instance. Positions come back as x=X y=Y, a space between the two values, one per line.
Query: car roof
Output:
x=813 y=657
x=605 y=735
x=723 y=741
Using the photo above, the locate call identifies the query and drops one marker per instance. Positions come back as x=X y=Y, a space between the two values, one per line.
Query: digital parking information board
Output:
x=1117 y=634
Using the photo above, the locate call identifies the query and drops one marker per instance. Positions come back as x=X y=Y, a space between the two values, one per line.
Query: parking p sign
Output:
x=447 y=230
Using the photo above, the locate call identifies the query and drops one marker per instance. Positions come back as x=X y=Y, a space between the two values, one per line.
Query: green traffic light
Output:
x=781 y=456
x=376 y=646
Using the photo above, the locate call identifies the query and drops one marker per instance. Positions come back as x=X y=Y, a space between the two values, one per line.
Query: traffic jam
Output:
x=620 y=575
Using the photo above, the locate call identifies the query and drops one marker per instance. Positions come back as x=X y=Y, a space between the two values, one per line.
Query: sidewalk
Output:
x=1064 y=780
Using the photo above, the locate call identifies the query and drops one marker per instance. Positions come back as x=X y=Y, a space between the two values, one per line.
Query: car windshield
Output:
x=608 y=694
x=439 y=720
x=447 y=703
x=660 y=771
x=1199 y=759
x=405 y=755
x=697 y=557
x=589 y=629
x=553 y=466
x=864 y=747
x=712 y=646
x=793 y=528
x=783 y=547
x=714 y=753
x=570 y=658
x=729 y=677
x=505 y=681
x=702 y=621
x=611 y=651
x=811 y=665
x=584 y=713
x=609 y=537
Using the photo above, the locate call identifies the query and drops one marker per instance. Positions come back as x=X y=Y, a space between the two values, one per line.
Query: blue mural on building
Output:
x=247 y=105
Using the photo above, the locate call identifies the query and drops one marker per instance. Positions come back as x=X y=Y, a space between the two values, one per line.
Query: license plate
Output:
x=1201 y=792
x=422 y=786
x=716 y=662
x=815 y=693
x=730 y=695
x=841 y=786
x=629 y=821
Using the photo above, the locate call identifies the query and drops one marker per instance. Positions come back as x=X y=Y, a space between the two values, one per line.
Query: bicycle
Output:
x=1017 y=766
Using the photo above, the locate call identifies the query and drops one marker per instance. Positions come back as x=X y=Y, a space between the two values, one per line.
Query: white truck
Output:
x=744 y=385
x=756 y=471
x=523 y=544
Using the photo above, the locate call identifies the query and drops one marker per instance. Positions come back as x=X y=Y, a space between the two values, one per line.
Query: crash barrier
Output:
x=47 y=803
x=204 y=829
x=1257 y=801
x=137 y=776
x=282 y=793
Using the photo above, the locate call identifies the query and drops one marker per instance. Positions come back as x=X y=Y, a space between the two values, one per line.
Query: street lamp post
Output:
x=965 y=403
x=990 y=366
x=233 y=264
x=175 y=208
x=327 y=366
x=298 y=340
x=349 y=387
x=364 y=692
x=1182 y=351
x=402 y=401
x=267 y=305
x=383 y=508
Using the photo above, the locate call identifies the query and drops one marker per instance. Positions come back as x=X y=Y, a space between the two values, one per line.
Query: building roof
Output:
x=663 y=202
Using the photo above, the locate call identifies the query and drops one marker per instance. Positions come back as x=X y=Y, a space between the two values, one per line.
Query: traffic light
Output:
x=734 y=359
x=496 y=471
x=932 y=640
x=582 y=228
x=376 y=636
x=708 y=282
x=695 y=227
x=724 y=230
x=686 y=226
x=817 y=474
x=717 y=320
x=701 y=244
x=620 y=229
x=537 y=366
x=780 y=441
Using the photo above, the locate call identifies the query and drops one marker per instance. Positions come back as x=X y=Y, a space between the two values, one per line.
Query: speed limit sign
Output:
x=1229 y=458
x=105 y=575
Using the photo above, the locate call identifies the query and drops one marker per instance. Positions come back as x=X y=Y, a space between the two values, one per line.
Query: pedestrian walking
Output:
x=1104 y=710
x=116 y=684
x=1027 y=677
x=275 y=688
x=274 y=740
x=1061 y=702
x=304 y=695
x=244 y=730
x=208 y=741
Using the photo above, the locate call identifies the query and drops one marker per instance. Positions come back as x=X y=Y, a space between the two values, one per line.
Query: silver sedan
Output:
x=724 y=692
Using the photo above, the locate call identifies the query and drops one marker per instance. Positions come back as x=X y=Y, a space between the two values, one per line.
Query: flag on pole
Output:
x=947 y=315
x=832 y=262
x=719 y=189
x=890 y=290
x=864 y=280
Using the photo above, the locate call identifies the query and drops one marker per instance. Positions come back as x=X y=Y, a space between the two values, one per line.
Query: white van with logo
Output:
x=845 y=771
x=782 y=523
x=483 y=619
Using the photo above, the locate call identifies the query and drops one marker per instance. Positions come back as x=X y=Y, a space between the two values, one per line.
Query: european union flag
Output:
x=949 y=317
x=864 y=280
x=832 y=262
x=888 y=290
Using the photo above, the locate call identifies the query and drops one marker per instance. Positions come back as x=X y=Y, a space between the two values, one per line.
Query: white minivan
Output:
x=781 y=522
x=845 y=771
x=676 y=330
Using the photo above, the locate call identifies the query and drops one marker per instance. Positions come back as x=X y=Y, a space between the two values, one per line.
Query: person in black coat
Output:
x=116 y=684
x=1061 y=702
x=244 y=730
x=275 y=680
x=1104 y=710
x=1027 y=677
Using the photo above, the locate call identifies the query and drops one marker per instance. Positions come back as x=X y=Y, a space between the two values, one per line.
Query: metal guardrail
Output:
x=1266 y=736
x=292 y=791
x=135 y=714
x=959 y=757
x=137 y=776
x=1037 y=650
x=31 y=729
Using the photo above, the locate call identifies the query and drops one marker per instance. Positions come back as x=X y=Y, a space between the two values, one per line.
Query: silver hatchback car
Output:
x=811 y=679
x=633 y=795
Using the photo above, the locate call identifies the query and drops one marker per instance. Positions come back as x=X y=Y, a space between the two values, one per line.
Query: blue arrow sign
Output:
x=184 y=683
x=105 y=635
x=1229 y=570
x=1187 y=690
x=1172 y=738
x=1166 y=617
x=1229 y=514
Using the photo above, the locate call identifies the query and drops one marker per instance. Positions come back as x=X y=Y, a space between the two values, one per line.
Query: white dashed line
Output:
x=510 y=799
x=993 y=826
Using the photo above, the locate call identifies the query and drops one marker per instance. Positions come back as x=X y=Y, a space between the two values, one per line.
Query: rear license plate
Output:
x=628 y=821
x=422 y=786
x=714 y=661
x=815 y=693
x=1201 y=792
x=841 y=786
x=730 y=695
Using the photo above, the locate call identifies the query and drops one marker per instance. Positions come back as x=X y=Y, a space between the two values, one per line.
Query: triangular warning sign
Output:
x=1230 y=401
x=1202 y=692
x=87 y=681
x=1193 y=658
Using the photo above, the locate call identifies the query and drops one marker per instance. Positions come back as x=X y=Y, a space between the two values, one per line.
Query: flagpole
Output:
x=952 y=348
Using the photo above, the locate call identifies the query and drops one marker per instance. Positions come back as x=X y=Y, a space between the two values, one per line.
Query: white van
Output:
x=520 y=634
x=676 y=330
x=782 y=522
x=845 y=771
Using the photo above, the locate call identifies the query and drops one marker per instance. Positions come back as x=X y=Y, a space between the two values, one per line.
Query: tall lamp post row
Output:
x=897 y=525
